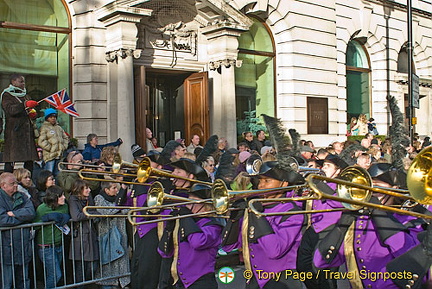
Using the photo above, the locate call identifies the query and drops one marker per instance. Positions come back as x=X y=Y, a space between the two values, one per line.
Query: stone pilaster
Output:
x=121 y=37
x=223 y=51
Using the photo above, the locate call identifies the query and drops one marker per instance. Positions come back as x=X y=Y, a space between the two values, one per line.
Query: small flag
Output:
x=61 y=101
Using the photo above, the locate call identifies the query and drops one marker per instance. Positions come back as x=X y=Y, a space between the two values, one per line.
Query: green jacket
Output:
x=47 y=232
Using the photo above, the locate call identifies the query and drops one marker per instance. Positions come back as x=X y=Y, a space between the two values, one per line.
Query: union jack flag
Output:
x=61 y=101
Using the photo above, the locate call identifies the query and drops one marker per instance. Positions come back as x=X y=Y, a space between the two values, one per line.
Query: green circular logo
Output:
x=226 y=275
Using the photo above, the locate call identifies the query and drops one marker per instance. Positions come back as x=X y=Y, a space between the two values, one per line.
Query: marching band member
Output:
x=319 y=223
x=269 y=244
x=365 y=240
x=189 y=245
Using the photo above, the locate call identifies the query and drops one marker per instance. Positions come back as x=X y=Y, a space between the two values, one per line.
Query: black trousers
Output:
x=146 y=261
x=9 y=166
x=165 y=278
x=305 y=255
x=207 y=281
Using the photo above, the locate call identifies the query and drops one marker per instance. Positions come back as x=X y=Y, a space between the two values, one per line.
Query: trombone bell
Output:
x=356 y=175
x=419 y=179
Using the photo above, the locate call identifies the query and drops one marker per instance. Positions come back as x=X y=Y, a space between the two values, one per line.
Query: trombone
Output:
x=221 y=198
x=354 y=191
x=109 y=174
x=155 y=199
x=90 y=215
x=61 y=166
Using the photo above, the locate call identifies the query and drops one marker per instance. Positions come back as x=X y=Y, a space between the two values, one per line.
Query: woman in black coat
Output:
x=84 y=249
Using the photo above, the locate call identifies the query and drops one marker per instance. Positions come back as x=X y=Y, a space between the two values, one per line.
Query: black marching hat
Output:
x=272 y=169
x=192 y=168
x=201 y=191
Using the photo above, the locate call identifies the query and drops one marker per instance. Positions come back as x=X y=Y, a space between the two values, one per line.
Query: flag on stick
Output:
x=61 y=101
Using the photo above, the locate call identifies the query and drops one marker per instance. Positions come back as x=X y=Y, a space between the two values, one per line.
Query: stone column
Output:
x=121 y=38
x=222 y=51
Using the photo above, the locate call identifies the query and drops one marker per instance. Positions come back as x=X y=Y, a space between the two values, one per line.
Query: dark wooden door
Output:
x=196 y=113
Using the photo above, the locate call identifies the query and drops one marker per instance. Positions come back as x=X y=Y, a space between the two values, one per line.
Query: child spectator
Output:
x=53 y=140
x=49 y=238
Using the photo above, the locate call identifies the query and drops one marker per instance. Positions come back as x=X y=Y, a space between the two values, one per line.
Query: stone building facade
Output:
x=203 y=66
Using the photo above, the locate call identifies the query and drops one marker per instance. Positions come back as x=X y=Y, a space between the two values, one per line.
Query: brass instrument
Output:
x=110 y=174
x=293 y=163
x=119 y=164
x=354 y=188
x=419 y=177
x=61 y=166
x=90 y=215
x=155 y=199
x=222 y=197
x=145 y=171
x=253 y=164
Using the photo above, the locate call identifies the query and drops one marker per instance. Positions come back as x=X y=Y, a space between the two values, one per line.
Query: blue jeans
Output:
x=52 y=258
x=52 y=166
x=20 y=272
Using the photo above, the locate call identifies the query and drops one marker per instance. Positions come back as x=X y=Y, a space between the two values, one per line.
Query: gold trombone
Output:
x=110 y=174
x=354 y=190
x=61 y=167
x=86 y=210
x=156 y=196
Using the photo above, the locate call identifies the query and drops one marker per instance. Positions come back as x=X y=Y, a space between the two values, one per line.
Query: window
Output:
x=34 y=41
x=254 y=80
x=357 y=80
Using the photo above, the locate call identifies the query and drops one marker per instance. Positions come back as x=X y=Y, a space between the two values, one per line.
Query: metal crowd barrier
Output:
x=38 y=266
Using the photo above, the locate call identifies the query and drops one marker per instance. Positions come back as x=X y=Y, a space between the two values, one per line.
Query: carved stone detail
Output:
x=213 y=65
x=113 y=56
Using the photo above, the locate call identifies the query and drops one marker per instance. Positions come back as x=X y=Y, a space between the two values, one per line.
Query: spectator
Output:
x=364 y=161
x=361 y=125
x=338 y=147
x=242 y=147
x=45 y=180
x=69 y=174
x=138 y=153
x=306 y=153
x=248 y=139
x=38 y=165
x=26 y=186
x=178 y=153
x=322 y=153
x=16 y=244
x=53 y=140
x=352 y=124
x=258 y=143
x=84 y=250
x=49 y=239
x=149 y=143
x=119 y=265
x=155 y=143
x=19 y=134
x=195 y=143
x=426 y=142
x=372 y=127
x=209 y=166
x=107 y=156
x=92 y=150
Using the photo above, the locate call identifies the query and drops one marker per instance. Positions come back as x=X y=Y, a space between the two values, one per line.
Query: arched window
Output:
x=254 y=80
x=357 y=80
x=34 y=41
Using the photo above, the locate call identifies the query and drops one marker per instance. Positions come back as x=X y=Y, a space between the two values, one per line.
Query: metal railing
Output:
x=36 y=262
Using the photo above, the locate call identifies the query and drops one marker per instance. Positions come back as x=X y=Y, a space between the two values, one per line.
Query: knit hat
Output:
x=244 y=155
x=137 y=150
x=49 y=112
